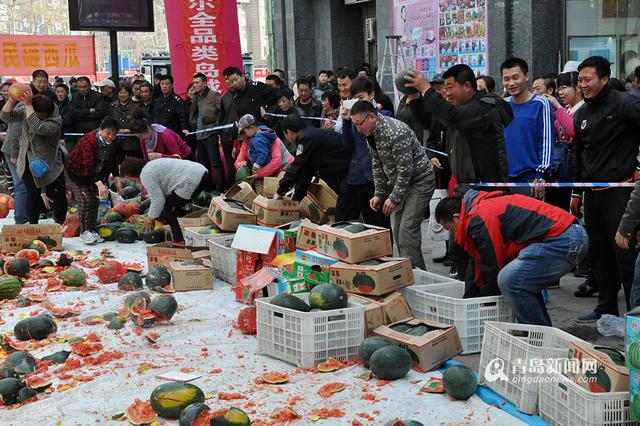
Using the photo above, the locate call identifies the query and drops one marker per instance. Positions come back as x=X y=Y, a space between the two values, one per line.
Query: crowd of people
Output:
x=64 y=142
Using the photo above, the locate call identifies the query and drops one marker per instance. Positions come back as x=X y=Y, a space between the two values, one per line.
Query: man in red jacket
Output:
x=517 y=244
x=90 y=163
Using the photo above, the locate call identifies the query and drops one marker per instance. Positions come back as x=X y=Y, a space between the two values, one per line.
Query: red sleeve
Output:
x=243 y=155
x=273 y=167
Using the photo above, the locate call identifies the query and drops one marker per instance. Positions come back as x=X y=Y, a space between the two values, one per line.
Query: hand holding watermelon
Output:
x=17 y=91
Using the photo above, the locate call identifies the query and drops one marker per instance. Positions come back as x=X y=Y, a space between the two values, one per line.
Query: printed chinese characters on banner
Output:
x=201 y=38
x=59 y=55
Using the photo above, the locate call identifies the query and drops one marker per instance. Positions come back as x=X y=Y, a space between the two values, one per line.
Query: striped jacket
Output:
x=398 y=159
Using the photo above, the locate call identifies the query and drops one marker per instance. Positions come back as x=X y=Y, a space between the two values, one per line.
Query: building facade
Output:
x=309 y=35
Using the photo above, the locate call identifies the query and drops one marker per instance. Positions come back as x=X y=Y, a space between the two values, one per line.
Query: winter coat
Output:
x=170 y=112
x=169 y=144
x=83 y=120
x=206 y=106
x=83 y=160
x=266 y=150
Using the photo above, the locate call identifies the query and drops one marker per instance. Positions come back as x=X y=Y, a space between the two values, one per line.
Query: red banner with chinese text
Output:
x=203 y=37
x=58 y=55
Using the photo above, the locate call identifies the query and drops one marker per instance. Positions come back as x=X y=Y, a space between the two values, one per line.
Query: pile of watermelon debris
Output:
x=89 y=336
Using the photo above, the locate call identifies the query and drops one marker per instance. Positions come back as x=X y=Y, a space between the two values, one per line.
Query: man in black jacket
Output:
x=88 y=109
x=64 y=105
x=169 y=109
x=606 y=146
x=318 y=152
x=243 y=97
x=474 y=122
x=40 y=84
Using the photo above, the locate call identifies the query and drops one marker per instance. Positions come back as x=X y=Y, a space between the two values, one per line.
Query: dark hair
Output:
x=200 y=76
x=515 y=62
x=489 y=82
x=304 y=81
x=363 y=107
x=323 y=72
x=602 y=65
x=292 y=123
x=229 y=71
x=329 y=73
x=61 y=85
x=362 y=84
x=279 y=70
x=43 y=104
x=132 y=167
x=636 y=72
x=285 y=93
x=616 y=84
x=332 y=97
x=157 y=75
x=110 y=123
x=138 y=121
x=73 y=80
x=346 y=73
x=146 y=84
x=138 y=82
x=275 y=78
x=39 y=73
x=126 y=88
x=568 y=79
x=85 y=79
x=166 y=77
x=447 y=207
x=549 y=80
x=462 y=74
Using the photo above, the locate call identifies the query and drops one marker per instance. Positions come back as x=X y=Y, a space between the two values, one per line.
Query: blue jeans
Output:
x=537 y=266
x=19 y=194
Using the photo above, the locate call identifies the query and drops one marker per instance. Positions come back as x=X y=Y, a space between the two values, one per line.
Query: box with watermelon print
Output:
x=311 y=266
x=375 y=277
x=632 y=352
x=634 y=394
x=306 y=235
x=353 y=242
x=598 y=368
x=272 y=212
x=15 y=236
x=228 y=214
x=241 y=192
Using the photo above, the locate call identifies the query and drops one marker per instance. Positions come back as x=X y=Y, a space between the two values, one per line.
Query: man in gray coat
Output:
x=403 y=176
x=39 y=158
x=10 y=148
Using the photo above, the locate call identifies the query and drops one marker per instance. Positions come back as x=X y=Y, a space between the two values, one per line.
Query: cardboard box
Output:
x=306 y=235
x=376 y=280
x=14 y=236
x=311 y=266
x=634 y=392
x=336 y=241
x=257 y=246
x=275 y=212
x=189 y=277
x=433 y=348
x=241 y=192
x=164 y=253
x=382 y=311
x=267 y=282
x=197 y=218
x=228 y=214
x=319 y=203
x=595 y=370
x=270 y=185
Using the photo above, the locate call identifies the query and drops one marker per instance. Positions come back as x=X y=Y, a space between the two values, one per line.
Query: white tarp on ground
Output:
x=201 y=336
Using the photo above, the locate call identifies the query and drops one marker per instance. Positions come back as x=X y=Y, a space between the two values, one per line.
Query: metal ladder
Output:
x=392 y=52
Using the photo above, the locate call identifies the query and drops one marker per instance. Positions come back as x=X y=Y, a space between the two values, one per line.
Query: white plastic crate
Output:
x=306 y=339
x=192 y=238
x=444 y=303
x=513 y=349
x=117 y=199
x=427 y=278
x=566 y=403
x=223 y=257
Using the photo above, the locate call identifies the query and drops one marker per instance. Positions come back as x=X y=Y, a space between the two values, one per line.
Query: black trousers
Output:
x=56 y=191
x=173 y=204
x=610 y=264
x=354 y=201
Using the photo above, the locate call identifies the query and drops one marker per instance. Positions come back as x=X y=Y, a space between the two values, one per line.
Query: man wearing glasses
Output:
x=403 y=177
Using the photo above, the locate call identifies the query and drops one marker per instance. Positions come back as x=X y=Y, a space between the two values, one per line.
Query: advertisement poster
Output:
x=437 y=34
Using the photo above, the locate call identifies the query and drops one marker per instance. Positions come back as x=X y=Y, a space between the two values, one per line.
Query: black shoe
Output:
x=585 y=289
x=441 y=259
x=453 y=273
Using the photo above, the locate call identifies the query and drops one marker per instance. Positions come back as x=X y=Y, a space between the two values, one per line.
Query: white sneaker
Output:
x=88 y=237
x=97 y=237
